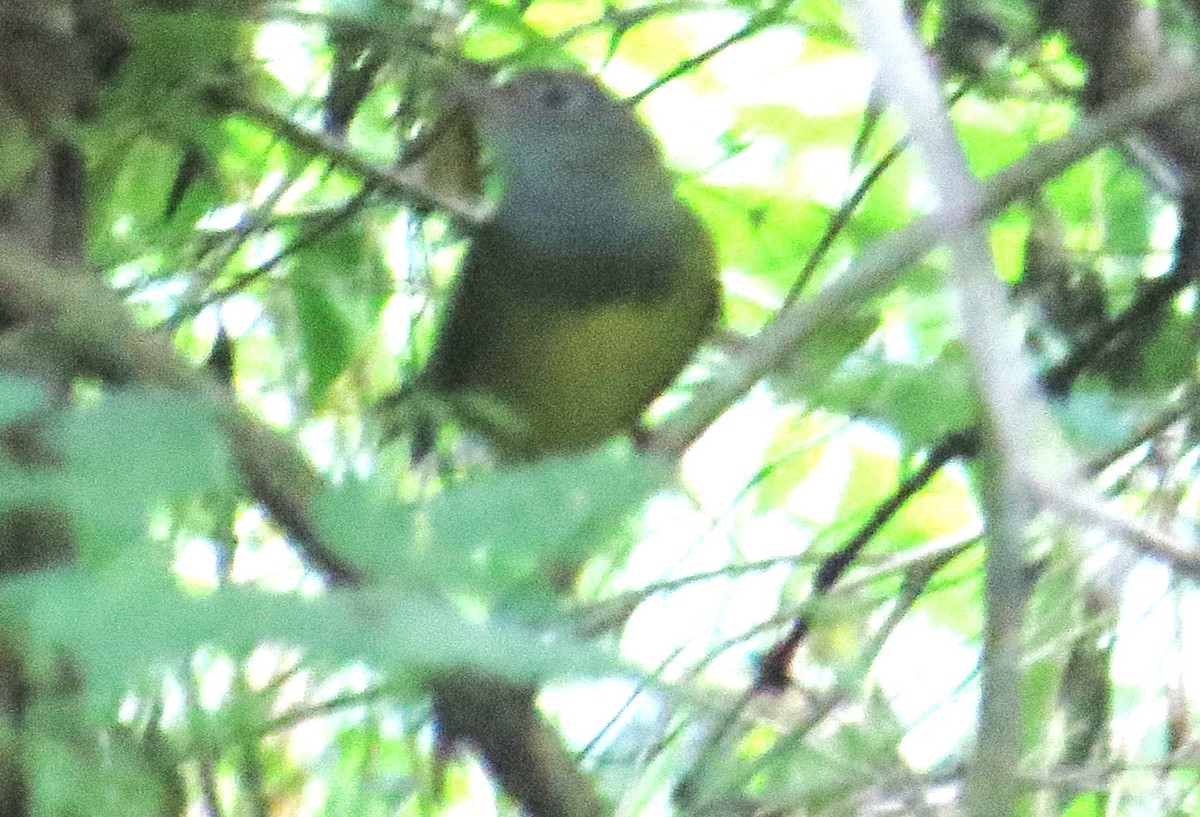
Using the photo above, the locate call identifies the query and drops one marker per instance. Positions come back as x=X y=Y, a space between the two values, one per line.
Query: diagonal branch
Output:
x=882 y=265
x=88 y=327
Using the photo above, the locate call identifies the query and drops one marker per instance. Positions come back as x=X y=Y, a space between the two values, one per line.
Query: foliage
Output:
x=246 y=198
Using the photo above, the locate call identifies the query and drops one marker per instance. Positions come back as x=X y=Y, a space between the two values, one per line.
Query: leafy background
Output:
x=196 y=621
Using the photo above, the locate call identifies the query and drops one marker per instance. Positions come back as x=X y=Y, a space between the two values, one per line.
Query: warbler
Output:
x=586 y=293
x=578 y=302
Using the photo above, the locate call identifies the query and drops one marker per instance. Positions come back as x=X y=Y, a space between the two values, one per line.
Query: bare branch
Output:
x=881 y=266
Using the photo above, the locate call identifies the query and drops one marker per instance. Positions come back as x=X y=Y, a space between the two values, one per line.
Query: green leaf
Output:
x=514 y=521
x=798 y=447
x=502 y=29
x=340 y=290
x=113 y=622
x=994 y=136
x=811 y=373
x=139 y=188
x=496 y=533
x=787 y=233
x=797 y=127
x=1130 y=213
x=957 y=602
x=1074 y=193
x=66 y=780
x=1097 y=421
x=129 y=451
x=326 y=333
x=887 y=205
x=176 y=47
x=377 y=533
x=920 y=403
x=941 y=511
x=19 y=397
x=1170 y=356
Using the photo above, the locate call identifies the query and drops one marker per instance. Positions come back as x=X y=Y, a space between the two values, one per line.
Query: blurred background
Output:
x=224 y=241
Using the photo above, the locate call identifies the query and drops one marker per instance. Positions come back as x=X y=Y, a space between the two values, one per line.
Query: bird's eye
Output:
x=556 y=96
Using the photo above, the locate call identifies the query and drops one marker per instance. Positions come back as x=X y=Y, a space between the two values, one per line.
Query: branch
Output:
x=88 y=326
x=1086 y=510
x=407 y=183
x=763 y=19
x=774 y=670
x=1022 y=436
x=1125 y=48
x=1157 y=293
x=882 y=264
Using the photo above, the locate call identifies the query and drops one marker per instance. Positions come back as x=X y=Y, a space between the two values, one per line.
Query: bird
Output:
x=589 y=288
x=580 y=299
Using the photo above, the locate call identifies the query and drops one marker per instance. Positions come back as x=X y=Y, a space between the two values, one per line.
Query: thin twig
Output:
x=881 y=264
x=404 y=183
x=774 y=671
x=1085 y=510
x=767 y=17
